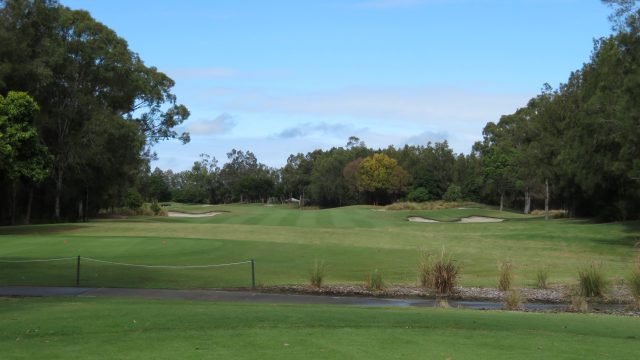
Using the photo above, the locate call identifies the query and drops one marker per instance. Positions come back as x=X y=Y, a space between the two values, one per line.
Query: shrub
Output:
x=542 y=275
x=445 y=274
x=318 y=273
x=133 y=199
x=453 y=193
x=591 y=280
x=155 y=208
x=419 y=194
x=374 y=281
x=512 y=299
x=505 y=280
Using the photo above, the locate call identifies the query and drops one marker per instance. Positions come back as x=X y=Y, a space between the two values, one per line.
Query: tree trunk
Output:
x=546 y=199
x=12 y=210
x=56 y=213
x=527 y=201
x=501 y=200
x=29 y=204
x=80 y=212
x=86 y=204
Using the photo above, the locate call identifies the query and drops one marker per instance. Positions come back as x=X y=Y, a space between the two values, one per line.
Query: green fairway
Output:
x=92 y=328
x=285 y=242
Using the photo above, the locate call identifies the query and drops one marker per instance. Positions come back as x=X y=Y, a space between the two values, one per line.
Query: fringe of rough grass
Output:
x=591 y=281
x=374 y=281
x=505 y=280
x=542 y=277
x=512 y=300
x=318 y=273
x=430 y=205
x=553 y=214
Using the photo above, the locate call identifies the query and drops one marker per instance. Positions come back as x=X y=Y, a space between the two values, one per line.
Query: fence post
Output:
x=253 y=274
x=78 y=271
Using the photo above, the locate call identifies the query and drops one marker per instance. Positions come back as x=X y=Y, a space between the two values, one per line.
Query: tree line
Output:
x=80 y=112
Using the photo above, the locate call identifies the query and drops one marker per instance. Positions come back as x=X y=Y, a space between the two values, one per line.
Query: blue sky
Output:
x=281 y=77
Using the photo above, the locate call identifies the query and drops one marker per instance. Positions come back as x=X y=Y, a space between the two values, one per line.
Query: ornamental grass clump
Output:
x=318 y=273
x=505 y=280
x=374 y=281
x=542 y=275
x=445 y=272
x=634 y=284
x=425 y=270
x=512 y=299
x=591 y=281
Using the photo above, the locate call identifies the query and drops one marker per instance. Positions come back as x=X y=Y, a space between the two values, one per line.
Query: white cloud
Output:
x=219 y=125
x=322 y=128
x=431 y=107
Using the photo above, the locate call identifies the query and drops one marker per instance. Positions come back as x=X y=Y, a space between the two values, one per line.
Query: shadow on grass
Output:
x=38 y=229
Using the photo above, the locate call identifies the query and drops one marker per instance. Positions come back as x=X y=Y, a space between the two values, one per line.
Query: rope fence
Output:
x=78 y=258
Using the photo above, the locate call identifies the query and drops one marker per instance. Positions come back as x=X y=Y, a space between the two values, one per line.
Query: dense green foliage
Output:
x=98 y=328
x=100 y=107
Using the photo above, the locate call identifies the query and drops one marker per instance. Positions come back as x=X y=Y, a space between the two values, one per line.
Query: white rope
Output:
x=36 y=260
x=165 y=266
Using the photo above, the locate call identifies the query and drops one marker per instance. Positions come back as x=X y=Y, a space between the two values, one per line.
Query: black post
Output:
x=253 y=274
x=78 y=271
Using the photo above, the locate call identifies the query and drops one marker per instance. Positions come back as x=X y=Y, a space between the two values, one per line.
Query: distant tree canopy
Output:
x=100 y=106
x=79 y=113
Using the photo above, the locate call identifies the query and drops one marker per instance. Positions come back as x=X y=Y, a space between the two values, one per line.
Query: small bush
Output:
x=133 y=199
x=592 y=282
x=505 y=280
x=318 y=273
x=453 y=193
x=155 y=208
x=579 y=304
x=445 y=274
x=542 y=276
x=374 y=281
x=419 y=194
x=512 y=299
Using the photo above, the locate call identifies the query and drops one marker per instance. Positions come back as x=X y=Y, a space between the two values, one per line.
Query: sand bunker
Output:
x=179 y=214
x=480 y=219
x=421 y=219
x=470 y=219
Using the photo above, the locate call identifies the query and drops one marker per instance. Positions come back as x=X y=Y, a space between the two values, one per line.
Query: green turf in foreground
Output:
x=135 y=329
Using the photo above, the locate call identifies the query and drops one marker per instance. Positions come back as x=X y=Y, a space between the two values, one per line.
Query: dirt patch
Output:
x=179 y=214
x=421 y=219
x=480 y=219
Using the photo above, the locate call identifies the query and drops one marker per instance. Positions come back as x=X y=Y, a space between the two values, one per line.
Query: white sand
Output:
x=179 y=214
x=480 y=219
x=470 y=219
x=421 y=219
